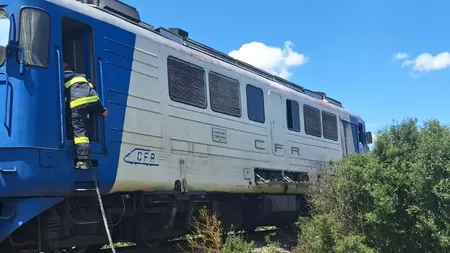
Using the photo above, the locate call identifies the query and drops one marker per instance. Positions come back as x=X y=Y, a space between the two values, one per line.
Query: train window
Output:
x=34 y=36
x=293 y=115
x=224 y=94
x=78 y=47
x=4 y=36
x=255 y=104
x=312 y=121
x=330 y=129
x=186 y=82
x=361 y=135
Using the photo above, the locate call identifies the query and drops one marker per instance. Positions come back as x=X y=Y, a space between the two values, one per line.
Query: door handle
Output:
x=7 y=120
x=62 y=137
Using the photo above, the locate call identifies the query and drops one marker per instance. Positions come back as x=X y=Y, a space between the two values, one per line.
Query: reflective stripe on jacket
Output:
x=80 y=92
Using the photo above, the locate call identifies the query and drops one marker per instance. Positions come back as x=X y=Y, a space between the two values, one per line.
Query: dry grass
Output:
x=209 y=236
x=208 y=230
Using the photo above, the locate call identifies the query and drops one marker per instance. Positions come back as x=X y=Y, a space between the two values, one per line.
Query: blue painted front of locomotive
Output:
x=36 y=158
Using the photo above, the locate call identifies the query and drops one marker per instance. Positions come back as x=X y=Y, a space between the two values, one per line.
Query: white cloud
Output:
x=278 y=61
x=407 y=63
x=426 y=62
x=401 y=56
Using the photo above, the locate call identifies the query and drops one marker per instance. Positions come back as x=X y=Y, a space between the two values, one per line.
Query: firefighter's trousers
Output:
x=80 y=125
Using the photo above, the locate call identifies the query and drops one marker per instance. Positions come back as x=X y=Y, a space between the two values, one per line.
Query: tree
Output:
x=394 y=199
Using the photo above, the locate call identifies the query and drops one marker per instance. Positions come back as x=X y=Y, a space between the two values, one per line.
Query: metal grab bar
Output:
x=102 y=97
x=100 y=65
x=61 y=101
x=7 y=121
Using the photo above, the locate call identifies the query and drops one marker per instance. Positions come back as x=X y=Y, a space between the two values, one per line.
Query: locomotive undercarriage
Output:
x=147 y=219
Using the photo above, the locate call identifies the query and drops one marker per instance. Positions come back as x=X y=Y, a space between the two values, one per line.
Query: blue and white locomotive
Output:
x=188 y=126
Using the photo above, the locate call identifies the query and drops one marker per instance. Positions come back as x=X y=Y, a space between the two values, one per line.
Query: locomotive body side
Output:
x=166 y=140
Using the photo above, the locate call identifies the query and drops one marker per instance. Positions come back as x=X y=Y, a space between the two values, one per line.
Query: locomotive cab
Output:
x=33 y=47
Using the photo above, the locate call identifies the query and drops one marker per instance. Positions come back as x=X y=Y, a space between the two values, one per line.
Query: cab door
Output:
x=277 y=126
x=76 y=48
x=349 y=137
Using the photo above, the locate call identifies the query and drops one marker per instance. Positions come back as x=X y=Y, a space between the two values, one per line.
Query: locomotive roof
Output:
x=127 y=17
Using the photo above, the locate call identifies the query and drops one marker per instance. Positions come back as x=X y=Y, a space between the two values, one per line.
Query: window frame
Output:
x=2 y=62
x=263 y=103
x=49 y=35
x=335 y=122
x=204 y=81
x=238 y=89
x=320 y=119
x=292 y=113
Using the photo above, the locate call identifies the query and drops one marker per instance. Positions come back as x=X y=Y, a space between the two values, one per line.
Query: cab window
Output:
x=4 y=36
x=361 y=135
x=34 y=36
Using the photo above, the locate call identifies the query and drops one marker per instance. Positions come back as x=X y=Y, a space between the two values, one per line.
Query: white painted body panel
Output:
x=176 y=132
x=164 y=141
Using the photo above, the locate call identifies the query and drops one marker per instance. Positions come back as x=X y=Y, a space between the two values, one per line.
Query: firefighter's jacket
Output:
x=80 y=93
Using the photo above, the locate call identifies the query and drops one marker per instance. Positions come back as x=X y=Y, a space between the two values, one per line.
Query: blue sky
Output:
x=346 y=49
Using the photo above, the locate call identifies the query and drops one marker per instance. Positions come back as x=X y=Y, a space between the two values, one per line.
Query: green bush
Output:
x=237 y=243
x=394 y=199
x=325 y=233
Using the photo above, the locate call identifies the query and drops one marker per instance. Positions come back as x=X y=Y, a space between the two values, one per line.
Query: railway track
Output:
x=285 y=237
